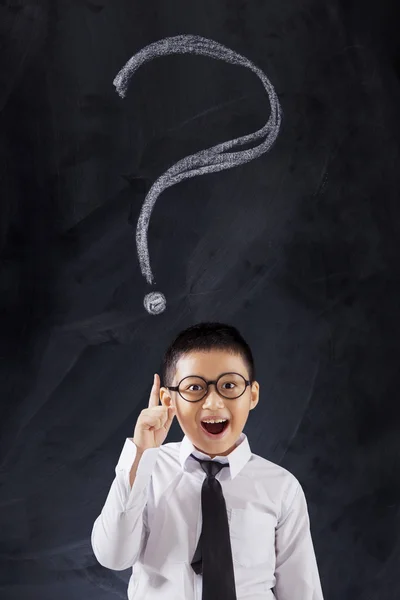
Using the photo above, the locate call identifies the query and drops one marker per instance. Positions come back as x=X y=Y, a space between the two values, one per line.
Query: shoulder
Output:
x=169 y=453
x=285 y=485
x=271 y=469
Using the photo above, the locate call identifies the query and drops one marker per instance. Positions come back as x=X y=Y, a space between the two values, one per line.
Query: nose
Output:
x=213 y=398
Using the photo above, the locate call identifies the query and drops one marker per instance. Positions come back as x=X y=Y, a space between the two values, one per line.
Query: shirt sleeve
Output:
x=119 y=531
x=296 y=570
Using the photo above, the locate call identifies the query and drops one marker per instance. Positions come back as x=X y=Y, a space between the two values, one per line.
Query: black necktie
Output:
x=213 y=556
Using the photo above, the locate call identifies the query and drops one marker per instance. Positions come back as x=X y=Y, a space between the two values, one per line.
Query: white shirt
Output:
x=155 y=526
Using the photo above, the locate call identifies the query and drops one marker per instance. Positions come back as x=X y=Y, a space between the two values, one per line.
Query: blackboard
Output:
x=298 y=248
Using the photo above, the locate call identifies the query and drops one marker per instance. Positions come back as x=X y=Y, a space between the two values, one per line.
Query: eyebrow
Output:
x=223 y=373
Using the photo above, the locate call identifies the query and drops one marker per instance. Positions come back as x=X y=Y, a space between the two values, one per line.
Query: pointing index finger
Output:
x=155 y=392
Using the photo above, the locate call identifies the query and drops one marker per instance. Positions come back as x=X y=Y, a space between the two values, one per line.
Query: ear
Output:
x=255 y=394
x=165 y=397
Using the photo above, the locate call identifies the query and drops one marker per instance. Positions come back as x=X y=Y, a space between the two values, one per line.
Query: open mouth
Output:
x=214 y=428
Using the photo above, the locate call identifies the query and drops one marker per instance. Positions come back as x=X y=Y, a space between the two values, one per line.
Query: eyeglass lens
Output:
x=230 y=385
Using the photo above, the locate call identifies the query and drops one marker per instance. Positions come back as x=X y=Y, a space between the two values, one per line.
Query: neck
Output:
x=225 y=453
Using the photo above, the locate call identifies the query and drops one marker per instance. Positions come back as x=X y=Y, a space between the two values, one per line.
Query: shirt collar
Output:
x=237 y=459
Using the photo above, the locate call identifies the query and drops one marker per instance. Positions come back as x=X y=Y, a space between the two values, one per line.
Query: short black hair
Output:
x=204 y=337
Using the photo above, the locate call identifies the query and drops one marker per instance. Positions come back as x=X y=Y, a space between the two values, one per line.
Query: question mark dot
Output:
x=155 y=303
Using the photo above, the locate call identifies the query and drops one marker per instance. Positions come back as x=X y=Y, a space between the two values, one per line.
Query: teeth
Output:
x=214 y=420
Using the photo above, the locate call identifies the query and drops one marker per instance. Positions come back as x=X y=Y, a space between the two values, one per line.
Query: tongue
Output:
x=214 y=427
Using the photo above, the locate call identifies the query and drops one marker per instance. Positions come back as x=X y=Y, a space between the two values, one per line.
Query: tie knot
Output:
x=210 y=467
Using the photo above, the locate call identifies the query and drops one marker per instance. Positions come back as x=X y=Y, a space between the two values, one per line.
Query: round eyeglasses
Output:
x=194 y=388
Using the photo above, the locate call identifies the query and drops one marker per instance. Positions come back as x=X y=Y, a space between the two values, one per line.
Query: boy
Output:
x=152 y=517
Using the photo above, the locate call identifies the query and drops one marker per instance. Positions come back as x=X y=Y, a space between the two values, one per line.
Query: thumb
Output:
x=171 y=414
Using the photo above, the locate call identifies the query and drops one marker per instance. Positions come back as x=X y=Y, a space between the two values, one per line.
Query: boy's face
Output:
x=210 y=365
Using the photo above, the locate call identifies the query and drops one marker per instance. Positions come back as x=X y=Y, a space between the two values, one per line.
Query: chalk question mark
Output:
x=211 y=160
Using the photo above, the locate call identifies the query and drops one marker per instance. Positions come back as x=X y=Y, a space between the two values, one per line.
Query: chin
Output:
x=221 y=447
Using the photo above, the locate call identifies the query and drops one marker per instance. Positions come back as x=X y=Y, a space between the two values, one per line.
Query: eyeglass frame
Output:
x=175 y=388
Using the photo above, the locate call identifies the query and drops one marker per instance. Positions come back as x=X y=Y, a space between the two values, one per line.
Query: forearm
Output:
x=118 y=531
x=134 y=468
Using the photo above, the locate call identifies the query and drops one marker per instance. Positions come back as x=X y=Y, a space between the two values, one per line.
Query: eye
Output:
x=229 y=383
x=194 y=385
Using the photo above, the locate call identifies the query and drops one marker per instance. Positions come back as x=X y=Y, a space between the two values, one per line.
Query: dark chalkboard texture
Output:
x=296 y=244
